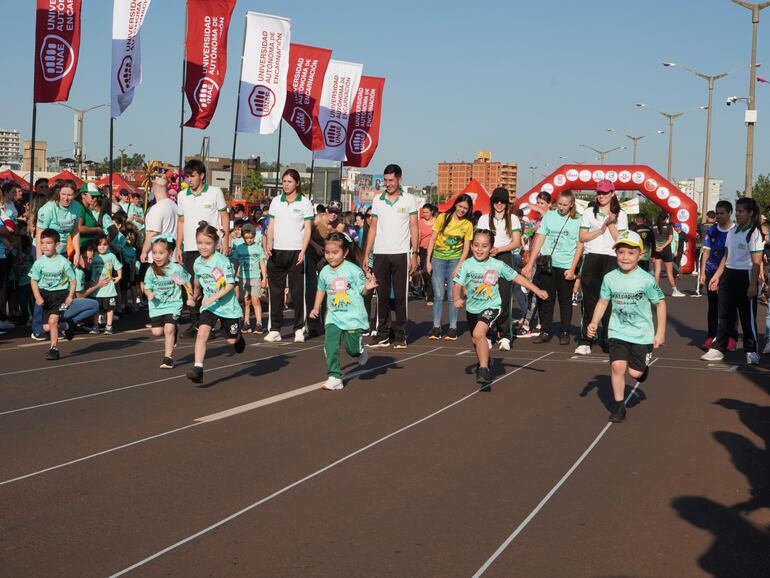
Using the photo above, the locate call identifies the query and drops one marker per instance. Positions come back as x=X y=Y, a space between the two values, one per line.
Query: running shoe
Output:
x=583 y=350
x=38 y=337
x=708 y=343
x=484 y=378
x=544 y=337
x=195 y=374
x=258 y=329
x=363 y=358
x=94 y=330
x=400 y=343
x=752 y=358
x=524 y=332
x=272 y=336
x=504 y=344
x=167 y=363
x=713 y=355
x=240 y=345
x=732 y=345
x=299 y=336
x=376 y=341
x=246 y=328
x=574 y=300
x=677 y=293
x=53 y=354
x=619 y=413
x=564 y=339
x=451 y=334
x=69 y=331
x=108 y=330
x=435 y=333
x=333 y=384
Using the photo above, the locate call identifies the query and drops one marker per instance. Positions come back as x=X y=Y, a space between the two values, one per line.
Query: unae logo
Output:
x=205 y=92
x=261 y=100
x=360 y=141
x=334 y=133
x=125 y=73
x=56 y=57
x=301 y=120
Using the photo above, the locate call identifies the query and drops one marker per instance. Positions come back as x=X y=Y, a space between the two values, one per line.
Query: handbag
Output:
x=545 y=262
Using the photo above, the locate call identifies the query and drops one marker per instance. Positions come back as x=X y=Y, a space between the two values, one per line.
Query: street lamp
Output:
x=751 y=114
x=671 y=118
x=635 y=140
x=79 y=114
x=532 y=170
x=122 y=154
x=602 y=154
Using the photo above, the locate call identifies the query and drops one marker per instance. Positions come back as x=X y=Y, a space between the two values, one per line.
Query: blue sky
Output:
x=530 y=82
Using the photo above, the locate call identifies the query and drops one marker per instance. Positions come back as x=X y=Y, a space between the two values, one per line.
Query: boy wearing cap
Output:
x=632 y=336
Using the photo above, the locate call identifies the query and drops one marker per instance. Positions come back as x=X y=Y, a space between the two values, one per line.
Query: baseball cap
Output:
x=677 y=225
x=248 y=228
x=630 y=239
x=604 y=186
x=334 y=207
x=91 y=189
x=500 y=194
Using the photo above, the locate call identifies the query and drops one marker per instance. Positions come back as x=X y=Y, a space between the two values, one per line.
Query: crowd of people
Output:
x=71 y=257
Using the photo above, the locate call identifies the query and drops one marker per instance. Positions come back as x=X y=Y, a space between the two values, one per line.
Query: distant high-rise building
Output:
x=10 y=149
x=693 y=188
x=454 y=177
x=41 y=147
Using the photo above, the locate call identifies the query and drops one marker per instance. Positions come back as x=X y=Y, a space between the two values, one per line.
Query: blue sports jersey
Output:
x=715 y=241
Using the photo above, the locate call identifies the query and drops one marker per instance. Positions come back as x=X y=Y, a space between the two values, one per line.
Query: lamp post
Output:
x=79 y=114
x=602 y=154
x=122 y=155
x=671 y=118
x=532 y=170
x=751 y=114
x=635 y=140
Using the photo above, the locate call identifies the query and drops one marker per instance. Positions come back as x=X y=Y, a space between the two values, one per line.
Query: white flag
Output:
x=340 y=87
x=127 y=19
x=263 y=73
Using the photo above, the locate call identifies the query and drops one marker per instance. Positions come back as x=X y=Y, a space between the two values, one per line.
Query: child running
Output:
x=632 y=336
x=249 y=261
x=215 y=279
x=479 y=277
x=53 y=285
x=163 y=284
x=102 y=268
x=345 y=285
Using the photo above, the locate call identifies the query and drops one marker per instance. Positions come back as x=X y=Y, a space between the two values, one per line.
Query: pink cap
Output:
x=605 y=186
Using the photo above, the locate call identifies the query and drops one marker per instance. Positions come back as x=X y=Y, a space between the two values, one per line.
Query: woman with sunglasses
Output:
x=506 y=231
x=599 y=228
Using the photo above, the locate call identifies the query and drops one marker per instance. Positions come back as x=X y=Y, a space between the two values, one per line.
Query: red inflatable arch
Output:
x=639 y=178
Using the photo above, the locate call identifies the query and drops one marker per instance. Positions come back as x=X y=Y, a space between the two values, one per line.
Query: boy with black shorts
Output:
x=632 y=335
x=52 y=279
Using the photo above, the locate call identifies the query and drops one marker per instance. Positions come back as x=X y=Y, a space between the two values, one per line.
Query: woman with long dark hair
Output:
x=448 y=248
x=663 y=255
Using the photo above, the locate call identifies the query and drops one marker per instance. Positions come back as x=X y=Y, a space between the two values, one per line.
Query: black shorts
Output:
x=107 y=304
x=231 y=327
x=665 y=255
x=162 y=320
x=52 y=302
x=644 y=265
x=488 y=316
x=638 y=356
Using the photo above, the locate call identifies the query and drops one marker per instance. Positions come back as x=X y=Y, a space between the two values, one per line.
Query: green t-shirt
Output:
x=102 y=268
x=480 y=279
x=60 y=219
x=344 y=288
x=52 y=273
x=136 y=210
x=630 y=295
x=560 y=243
x=213 y=274
x=247 y=257
x=167 y=290
x=80 y=280
x=450 y=242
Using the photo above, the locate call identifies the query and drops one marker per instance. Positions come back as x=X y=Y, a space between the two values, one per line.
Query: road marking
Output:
x=78 y=338
x=463 y=352
x=588 y=359
x=722 y=367
x=295 y=392
x=549 y=495
x=313 y=475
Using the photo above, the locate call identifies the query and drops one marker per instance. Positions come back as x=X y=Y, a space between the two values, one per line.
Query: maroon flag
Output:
x=57 y=45
x=364 y=124
x=307 y=68
x=207 y=24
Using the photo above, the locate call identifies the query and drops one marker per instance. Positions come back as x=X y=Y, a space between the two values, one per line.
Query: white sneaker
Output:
x=767 y=348
x=752 y=358
x=299 y=336
x=583 y=350
x=273 y=336
x=504 y=344
x=364 y=357
x=7 y=325
x=713 y=355
x=677 y=293
x=333 y=384
x=489 y=343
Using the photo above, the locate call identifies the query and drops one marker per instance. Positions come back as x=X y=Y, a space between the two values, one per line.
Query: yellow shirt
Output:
x=450 y=241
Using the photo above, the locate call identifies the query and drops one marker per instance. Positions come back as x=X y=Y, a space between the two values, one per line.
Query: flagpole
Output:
x=237 y=112
x=184 y=78
x=340 y=199
x=112 y=130
x=278 y=160
x=312 y=172
x=32 y=150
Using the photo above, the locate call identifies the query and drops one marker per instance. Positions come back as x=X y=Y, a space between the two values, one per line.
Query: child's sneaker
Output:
x=94 y=330
x=168 y=363
x=299 y=336
x=108 y=330
x=258 y=329
x=39 y=337
x=732 y=345
x=333 y=383
x=583 y=350
x=195 y=374
x=364 y=357
x=69 y=331
x=240 y=345
x=246 y=328
x=504 y=344
x=713 y=355
x=707 y=344
x=619 y=413
x=752 y=358
x=484 y=378
x=53 y=354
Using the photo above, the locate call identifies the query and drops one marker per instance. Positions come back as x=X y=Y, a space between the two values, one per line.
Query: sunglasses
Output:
x=603 y=193
x=500 y=201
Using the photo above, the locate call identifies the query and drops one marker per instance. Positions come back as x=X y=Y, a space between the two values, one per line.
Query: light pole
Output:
x=79 y=114
x=602 y=154
x=671 y=118
x=532 y=170
x=122 y=154
x=635 y=140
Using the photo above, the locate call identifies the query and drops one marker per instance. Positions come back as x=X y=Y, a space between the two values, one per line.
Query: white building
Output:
x=10 y=146
x=693 y=188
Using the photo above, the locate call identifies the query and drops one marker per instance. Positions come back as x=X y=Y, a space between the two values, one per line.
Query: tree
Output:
x=252 y=183
x=761 y=192
x=650 y=211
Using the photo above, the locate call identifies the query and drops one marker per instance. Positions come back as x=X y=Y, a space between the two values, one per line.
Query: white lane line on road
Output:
x=463 y=352
x=549 y=495
x=299 y=391
x=77 y=338
x=179 y=376
x=313 y=475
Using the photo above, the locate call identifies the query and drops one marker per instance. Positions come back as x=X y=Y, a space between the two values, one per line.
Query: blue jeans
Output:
x=79 y=310
x=441 y=278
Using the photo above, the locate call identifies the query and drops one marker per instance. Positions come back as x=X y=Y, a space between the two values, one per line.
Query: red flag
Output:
x=307 y=68
x=364 y=123
x=57 y=45
x=207 y=24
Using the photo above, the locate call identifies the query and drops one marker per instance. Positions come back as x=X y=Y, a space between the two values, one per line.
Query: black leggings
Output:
x=506 y=287
x=283 y=264
x=713 y=312
x=733 y=302
x=595 y=267
x=556 y=286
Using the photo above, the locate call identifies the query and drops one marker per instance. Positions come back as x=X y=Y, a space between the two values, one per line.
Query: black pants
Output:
x=189 y=265
x=426 y=280
x=312 y=259
x=733 y=301
x=557 y=287
x=506 y=287
x=713 y=313
x=395 y=268
x=283 y=264
x=595 y=267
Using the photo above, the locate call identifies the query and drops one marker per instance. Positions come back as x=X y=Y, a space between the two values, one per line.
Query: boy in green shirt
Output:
x=53 y=285
x=632 y=335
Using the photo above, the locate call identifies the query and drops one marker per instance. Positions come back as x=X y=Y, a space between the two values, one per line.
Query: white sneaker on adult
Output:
x=767 y=348
x=504 y=344
x=752 y=358
x=333 y=384
x=713 y=355
x=677 y=293
x=583 y=350
x=273 y=336
x=364 y=357
x=299 y=336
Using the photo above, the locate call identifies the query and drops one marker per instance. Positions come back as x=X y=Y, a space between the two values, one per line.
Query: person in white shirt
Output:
x=737 y=280
x=288 y=235
x=199 y=202
x=161 y=218
x=393 y=234
x=599 y=229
